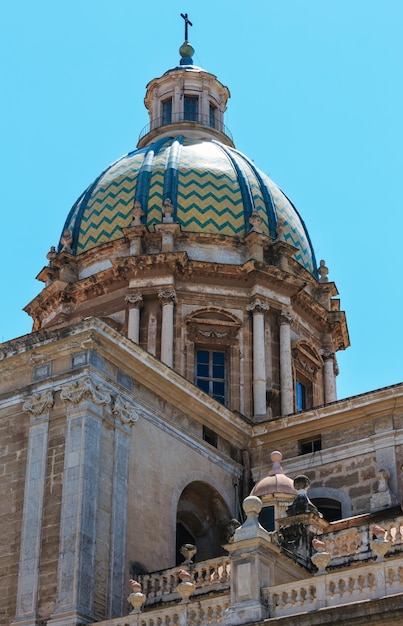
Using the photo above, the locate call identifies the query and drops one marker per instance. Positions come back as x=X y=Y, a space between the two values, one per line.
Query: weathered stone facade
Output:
x=185 y=332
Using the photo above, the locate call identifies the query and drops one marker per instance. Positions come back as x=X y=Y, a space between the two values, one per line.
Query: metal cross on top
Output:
x=187 y=23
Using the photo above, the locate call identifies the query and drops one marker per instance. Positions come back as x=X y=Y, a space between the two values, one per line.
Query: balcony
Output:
x=182 y=122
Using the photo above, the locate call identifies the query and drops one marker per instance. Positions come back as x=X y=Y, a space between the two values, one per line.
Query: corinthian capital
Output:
x=124 y=412
x=285 y=317
x=85 y=388
x=257 y=306
x=135 y=300
x=167 y=297
x=328 y=355
x=39 y=403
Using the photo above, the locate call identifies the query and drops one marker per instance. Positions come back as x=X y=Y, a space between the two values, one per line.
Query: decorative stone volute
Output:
x=39 y=403
x=126 y=414
x=85 y=388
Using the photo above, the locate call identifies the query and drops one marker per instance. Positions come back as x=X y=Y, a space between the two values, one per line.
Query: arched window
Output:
x=202 y=519
x=334 y=504
x=330 y=509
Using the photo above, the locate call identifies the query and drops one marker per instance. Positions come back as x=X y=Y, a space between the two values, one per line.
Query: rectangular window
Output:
x=300 y=396
x=191 y=109
x=167 y=112
x=308 y=446
x=210 y=436
x=213 y=110
x=211 y=373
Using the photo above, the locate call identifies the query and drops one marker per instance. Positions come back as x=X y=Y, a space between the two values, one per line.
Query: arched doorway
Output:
x=203 y=519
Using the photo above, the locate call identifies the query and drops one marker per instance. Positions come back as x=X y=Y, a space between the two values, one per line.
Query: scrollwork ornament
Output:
x=213 y=334
x=39 y=403
x=257 y=306
x=328 y=355
x=126 y=414
x=85 y=388
x=286 y=318
x=135 y=300
x=167 y=297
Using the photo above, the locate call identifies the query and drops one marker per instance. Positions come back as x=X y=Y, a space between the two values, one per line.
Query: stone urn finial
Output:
x=188 y=550
x=185 y=587
x=320 y=558
x=379 y=545
x=136 y=598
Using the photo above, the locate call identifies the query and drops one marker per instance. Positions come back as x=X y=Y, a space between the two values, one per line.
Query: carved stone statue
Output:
x=66 y=241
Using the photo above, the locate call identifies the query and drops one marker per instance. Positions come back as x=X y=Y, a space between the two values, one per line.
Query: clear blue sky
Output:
x=317 y=101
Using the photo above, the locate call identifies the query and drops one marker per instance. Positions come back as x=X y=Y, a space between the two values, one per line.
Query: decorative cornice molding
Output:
x=39 y=403
x=85 y=388
x=124 y=412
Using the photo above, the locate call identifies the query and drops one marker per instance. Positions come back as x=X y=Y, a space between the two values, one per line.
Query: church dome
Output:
x=212 y=187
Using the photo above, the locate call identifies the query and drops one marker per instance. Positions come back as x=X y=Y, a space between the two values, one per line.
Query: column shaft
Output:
x=167 y=334
x=329 y=380
x=286 y=377
x=259 y=365
x=133 y=327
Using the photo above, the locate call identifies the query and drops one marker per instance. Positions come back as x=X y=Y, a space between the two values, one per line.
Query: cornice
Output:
x=339 y=414
x=142 y=366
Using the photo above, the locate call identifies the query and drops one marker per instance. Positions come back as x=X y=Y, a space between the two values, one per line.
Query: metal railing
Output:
x=192 y=118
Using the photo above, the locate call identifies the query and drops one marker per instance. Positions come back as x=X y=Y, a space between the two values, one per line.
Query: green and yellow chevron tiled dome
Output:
x=213 y=189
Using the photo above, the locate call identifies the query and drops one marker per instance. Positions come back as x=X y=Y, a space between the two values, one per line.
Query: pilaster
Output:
x=125 y=418
x=85 y=400
x=38 y=406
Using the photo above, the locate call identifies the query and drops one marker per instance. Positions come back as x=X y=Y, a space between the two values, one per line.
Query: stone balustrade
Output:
x=209 y=576
x=342 y=587
x=353 y=544
x=207 y=611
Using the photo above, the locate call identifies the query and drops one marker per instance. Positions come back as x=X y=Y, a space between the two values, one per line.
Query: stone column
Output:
x=76 y=569
x=286 y=377
x=258 y=309
x=38 y=407
x=135 y=302
x=167 y=300
x=329 y=378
